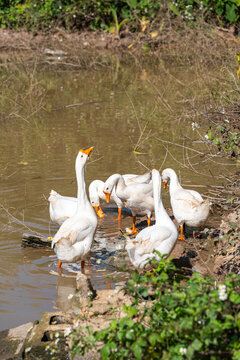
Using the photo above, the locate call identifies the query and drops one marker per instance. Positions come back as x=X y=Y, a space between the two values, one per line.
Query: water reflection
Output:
x=66 y=290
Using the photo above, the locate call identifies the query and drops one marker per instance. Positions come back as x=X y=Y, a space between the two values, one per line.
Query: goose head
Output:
x=108 y=186
x=83 y=156
x=166 y=175
x=94 y=199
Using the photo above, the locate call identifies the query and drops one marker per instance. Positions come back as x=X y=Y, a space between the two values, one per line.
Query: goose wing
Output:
x=72 y=231
x=188 y=198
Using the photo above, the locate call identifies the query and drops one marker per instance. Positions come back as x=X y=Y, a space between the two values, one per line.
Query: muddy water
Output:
x=46 y=116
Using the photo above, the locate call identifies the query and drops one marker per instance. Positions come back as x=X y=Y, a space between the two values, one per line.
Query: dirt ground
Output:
x=176 y=41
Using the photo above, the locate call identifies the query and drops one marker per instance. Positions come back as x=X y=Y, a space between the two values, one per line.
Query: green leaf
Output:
x=234 y=298
x=230 y=12
x=137 y=351
x=153 y=338
x=196 y=344
x=130 y=334
x=238 y=321
x=179 y=295
x=233 y=225
x=216 y=140
x=135 y=275
x=132 y=3
x=143 y=291
x=130 y=310
x=105 y=352
x=173 y=8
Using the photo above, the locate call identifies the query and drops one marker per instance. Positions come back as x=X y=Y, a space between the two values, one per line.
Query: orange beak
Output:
x=99 y=211
x=107 y=196
x=164 y=184
x=87 y=151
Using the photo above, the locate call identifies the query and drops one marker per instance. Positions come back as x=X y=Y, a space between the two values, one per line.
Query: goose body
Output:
x=63 y=207
x=96 y=188
x=137 y=197
x=73 y=240
x=188 y=205
x=161 y=236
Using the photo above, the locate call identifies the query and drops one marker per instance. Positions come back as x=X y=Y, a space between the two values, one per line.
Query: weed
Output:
x=172 y=317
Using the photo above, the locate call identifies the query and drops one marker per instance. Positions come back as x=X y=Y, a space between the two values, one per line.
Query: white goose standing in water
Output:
x=63 y=207
x=188 y=205
x=137 y=197
x=161 y=236
x=96 y=191
x=74 y=238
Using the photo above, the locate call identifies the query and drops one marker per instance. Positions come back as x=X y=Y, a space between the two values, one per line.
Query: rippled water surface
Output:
x=46 y=117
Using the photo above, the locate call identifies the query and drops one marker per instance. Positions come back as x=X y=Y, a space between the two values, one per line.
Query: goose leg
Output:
x=99 y=211
x=82 y=267
x=108 y=287
x=119 y=215
x=181 y=237
x=60 y=267
x=149 y=221
x=134 y=229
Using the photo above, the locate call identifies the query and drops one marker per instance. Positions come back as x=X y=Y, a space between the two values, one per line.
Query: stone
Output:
x=12 y=341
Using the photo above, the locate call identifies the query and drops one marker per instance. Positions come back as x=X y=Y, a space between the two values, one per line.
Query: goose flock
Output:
x=141 y=194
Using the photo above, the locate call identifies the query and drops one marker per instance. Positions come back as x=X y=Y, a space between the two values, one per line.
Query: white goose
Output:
x=74 y=238
x=96 y=191
x=188 y=205
x=63 y=207
x=161 y=236
x=135 y=196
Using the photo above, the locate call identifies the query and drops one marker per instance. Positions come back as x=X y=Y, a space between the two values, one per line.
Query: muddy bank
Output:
x=73 y=49
x=50 y=337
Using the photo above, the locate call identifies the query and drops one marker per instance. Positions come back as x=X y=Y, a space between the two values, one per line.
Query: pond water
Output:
x=47 y=115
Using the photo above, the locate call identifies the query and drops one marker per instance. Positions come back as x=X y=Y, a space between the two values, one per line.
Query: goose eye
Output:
x=81 y=156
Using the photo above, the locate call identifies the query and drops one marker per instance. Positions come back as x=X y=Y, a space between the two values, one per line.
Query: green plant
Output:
x=224 y=12
x=172 y=317
x=117 y=24
x=74 y=14
x=225 y=139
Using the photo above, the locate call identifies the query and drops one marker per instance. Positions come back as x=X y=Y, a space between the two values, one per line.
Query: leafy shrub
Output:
x=172 y=317
x=70 y=14
x=73 y=14
x=223 y=11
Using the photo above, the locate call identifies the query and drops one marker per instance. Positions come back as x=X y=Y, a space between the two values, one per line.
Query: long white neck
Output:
x=161 y=215
x=119 y=182
x=174 y=183
x=81 y=193
x=96 y=189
